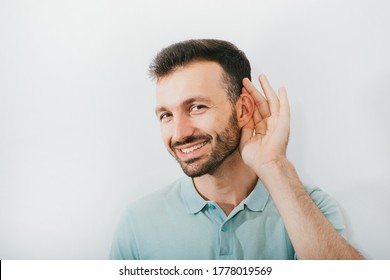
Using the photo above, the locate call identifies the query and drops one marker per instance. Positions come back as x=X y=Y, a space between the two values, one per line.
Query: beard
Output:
x=226 y=143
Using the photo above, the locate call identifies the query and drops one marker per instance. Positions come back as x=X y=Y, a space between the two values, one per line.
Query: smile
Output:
x=193 y=148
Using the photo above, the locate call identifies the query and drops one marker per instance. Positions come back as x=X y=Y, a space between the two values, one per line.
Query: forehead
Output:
x=203 y=79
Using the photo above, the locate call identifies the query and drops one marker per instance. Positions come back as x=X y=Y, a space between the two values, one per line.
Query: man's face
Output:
x=198 y=123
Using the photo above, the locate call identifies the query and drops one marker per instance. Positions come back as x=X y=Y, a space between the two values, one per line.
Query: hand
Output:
x=264 y=138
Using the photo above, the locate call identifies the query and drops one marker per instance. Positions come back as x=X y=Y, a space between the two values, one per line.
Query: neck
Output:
x=231 y=183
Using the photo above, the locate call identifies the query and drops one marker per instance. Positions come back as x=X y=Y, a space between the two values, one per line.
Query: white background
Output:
x=79 y=139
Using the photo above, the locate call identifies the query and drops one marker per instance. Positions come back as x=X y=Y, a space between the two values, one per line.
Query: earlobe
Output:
x=245 y=109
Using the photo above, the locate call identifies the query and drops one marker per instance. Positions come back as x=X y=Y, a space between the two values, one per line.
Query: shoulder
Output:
x=170 y=192
x=168 y=195
x=141 y=219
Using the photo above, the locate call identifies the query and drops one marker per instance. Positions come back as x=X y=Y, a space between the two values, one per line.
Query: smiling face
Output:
x=198 y=122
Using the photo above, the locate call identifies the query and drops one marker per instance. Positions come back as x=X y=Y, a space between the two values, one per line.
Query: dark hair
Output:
x=232 y=60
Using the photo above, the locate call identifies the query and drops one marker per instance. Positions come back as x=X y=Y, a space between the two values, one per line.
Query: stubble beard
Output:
x=226 y=143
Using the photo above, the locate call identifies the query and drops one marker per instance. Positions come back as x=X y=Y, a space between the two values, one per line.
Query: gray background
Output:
x=79 y=139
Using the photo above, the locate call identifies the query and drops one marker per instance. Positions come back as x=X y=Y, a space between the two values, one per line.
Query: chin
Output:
x=193 y=172
x=197 y=170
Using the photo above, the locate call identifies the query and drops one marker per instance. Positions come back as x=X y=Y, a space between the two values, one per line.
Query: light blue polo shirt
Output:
x=177 y=223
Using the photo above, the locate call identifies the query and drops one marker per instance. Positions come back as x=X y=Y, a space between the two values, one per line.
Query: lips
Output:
x=192 y=148
x=189 y=150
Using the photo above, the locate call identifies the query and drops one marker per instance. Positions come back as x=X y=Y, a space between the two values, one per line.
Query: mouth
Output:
x=188 y=150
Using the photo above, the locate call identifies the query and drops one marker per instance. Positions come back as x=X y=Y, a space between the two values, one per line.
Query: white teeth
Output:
x=193 y=148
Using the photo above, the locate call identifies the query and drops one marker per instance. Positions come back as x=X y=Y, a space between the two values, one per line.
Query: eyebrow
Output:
x=185 y=102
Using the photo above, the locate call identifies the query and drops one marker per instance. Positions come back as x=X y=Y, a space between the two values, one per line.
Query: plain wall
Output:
x=79 y=140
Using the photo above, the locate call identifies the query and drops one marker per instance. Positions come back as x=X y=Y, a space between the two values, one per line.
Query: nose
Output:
x=183 y=128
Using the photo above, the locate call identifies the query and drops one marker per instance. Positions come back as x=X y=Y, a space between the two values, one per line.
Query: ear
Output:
x=245 y=107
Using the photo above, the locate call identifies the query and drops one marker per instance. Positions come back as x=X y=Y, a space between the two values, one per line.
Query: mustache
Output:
x=190 y=139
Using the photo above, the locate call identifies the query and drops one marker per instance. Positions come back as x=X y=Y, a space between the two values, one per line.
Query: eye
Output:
x=199 y=108
x=165 y=116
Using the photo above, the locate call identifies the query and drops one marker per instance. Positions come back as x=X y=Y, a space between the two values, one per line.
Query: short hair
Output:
x=232 y=60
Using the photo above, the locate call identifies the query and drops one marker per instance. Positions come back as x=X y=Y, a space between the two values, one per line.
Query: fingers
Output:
x=273 y=100
x=247 y=131
x=260 y=101
x=270 y=105
x=256 y=114
x=284 y=105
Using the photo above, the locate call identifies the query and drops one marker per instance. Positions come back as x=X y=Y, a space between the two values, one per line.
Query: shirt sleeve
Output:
x=329 y=208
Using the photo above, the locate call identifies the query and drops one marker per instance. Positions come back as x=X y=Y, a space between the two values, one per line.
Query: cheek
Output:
x=165 y=135
x=211 y=125
x=205 y=124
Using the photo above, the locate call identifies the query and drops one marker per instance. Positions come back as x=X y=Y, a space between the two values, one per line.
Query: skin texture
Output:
x=239 y=143
x=189 y=116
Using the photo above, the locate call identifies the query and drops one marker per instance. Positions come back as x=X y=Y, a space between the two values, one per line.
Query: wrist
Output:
x=279 y=166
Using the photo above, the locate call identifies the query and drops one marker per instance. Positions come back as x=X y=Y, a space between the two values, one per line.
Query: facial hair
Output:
x=226 y=143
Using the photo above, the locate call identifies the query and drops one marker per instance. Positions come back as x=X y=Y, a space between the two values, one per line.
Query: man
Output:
x=241 y=198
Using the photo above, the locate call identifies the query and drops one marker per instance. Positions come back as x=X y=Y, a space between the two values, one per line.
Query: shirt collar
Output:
x=194 y=203
x=258 y=198
x=192 y=199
